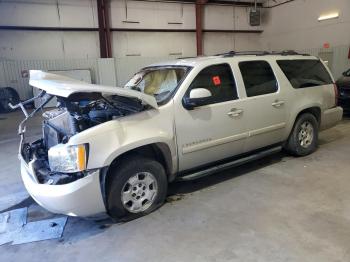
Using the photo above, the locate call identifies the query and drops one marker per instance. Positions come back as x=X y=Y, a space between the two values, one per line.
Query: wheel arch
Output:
x=315 y=110
x=159 y=151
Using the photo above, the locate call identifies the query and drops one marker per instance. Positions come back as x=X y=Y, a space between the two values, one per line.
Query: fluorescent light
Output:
x=328 y=16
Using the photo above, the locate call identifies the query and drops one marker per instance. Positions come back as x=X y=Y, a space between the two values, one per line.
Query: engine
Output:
x=73 y=117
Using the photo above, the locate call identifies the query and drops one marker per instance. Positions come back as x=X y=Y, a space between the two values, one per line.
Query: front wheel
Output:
x=304 y=137
x=138 y=187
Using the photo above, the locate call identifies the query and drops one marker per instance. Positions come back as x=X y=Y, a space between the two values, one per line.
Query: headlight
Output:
x=68 y=159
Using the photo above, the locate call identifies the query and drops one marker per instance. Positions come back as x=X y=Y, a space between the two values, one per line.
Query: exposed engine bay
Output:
x=82 y=111
x=74 y=114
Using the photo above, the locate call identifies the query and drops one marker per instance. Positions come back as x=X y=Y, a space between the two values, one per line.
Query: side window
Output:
x=218 y=79
x=258 y=78
x=305 y=73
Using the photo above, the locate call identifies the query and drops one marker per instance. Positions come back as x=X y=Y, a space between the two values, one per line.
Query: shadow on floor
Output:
x=186 y=187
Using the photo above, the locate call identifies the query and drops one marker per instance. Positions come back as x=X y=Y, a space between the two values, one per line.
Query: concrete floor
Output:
x=277 y=209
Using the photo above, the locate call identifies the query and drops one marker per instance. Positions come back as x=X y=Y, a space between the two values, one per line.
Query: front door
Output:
x=213 y=131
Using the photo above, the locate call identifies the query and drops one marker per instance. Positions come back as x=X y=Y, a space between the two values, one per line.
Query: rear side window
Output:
x=218 y=79
x=258 y=78
x=305 y=73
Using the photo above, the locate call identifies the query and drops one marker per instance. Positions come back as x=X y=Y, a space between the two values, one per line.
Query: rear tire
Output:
x=138 y=186
x=303 y=139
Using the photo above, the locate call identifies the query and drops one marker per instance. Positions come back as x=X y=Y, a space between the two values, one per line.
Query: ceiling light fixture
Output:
x=328 y=16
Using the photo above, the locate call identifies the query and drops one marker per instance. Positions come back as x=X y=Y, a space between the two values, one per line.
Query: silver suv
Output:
x=109 y=150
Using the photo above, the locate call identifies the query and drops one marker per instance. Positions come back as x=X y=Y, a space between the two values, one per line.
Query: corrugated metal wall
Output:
x=14 y=71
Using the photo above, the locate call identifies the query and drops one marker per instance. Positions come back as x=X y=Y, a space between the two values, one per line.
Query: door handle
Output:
x=278 y=103
x=235 y=112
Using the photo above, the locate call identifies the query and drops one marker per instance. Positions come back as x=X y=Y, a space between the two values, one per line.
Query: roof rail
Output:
x=260 y=53
x=186 y=57
x=234 y=53
x=288 y=52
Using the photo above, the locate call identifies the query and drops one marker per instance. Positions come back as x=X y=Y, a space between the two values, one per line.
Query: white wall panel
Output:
x=81 y=45
x=30 y=45
x=153 y=44
x=49 y=13
x=246 y=42
x=29 y=13
x=151 y=15
x=48 y=45
x=188 y=16
x=216 y=43
x=78 y=13
x=106 y=71
x=218 y=17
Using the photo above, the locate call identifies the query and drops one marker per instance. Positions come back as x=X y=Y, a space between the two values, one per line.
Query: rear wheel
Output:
x=137 y=187
x=304 y=137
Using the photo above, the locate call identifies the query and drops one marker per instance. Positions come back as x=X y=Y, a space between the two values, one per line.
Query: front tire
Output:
x=137 y=187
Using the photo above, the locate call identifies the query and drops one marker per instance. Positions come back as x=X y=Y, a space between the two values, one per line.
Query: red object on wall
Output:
x=326 y=45
x=349 y=53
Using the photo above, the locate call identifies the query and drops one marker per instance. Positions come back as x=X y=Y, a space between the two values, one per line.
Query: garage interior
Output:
x=279 y=208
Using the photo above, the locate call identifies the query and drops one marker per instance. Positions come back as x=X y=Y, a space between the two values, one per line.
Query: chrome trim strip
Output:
x=266 y=129
x=212 y=143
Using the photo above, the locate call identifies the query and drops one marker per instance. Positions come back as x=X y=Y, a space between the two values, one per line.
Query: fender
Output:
x=111 y=139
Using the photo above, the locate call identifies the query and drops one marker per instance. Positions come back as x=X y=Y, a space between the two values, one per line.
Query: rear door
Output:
x=266 y=104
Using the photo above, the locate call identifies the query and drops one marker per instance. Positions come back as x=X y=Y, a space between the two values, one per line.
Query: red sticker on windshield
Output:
x=216 y=80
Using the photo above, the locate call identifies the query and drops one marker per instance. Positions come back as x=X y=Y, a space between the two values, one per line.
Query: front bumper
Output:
x=82 y=197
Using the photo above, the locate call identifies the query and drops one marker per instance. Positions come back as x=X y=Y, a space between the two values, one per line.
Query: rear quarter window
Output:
x=305 y=73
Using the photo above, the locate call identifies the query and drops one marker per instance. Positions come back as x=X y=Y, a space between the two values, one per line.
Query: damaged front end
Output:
x=54 y=169
x=54 y=161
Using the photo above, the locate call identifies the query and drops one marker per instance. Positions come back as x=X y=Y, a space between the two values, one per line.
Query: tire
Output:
x=135 y=173
x=303 y=139
x=8 y=95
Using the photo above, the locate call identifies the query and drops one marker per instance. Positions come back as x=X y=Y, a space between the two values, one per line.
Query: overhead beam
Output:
x=210 y=2
x=104 y=28
x=199 y=25
x=95 y=29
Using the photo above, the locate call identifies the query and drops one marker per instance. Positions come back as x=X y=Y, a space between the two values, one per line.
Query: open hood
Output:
x=64 y=86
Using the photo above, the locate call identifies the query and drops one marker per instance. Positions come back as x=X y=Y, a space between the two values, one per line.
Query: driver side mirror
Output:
x=197 y=97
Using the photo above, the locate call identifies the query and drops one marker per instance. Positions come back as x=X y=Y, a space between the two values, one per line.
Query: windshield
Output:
x=159 y=82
